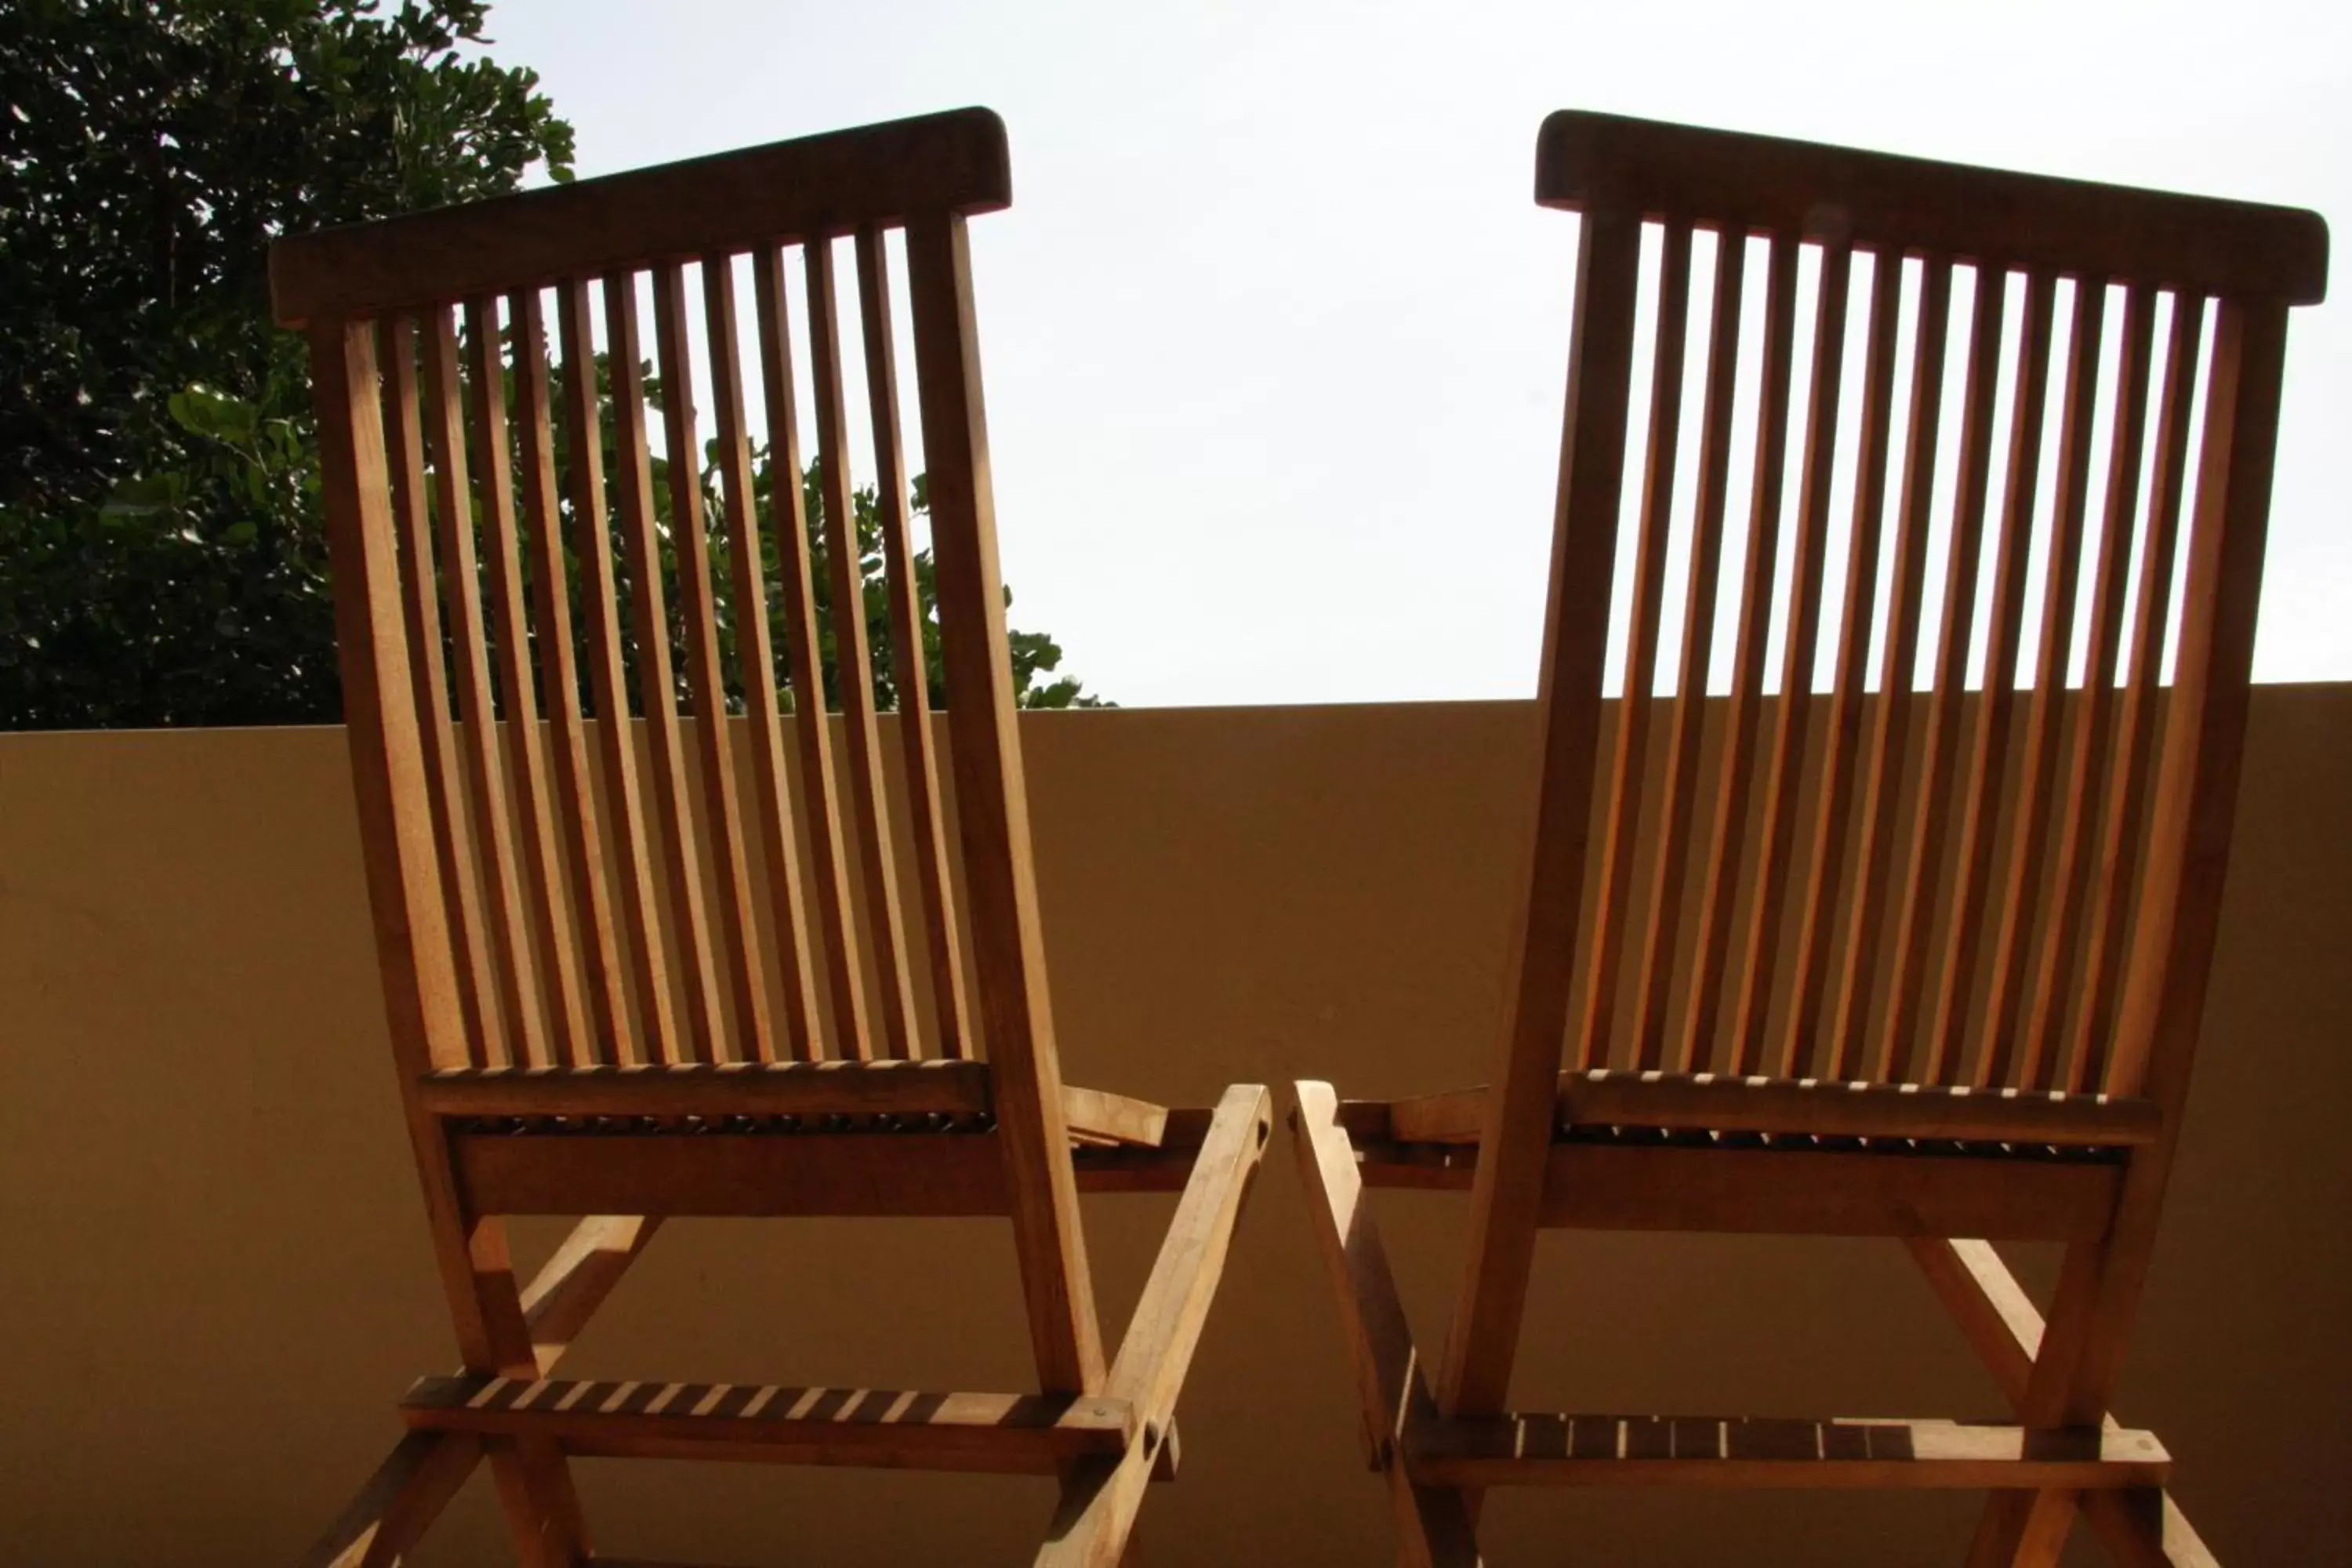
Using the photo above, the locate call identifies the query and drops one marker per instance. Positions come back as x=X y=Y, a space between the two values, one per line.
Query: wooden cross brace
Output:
x=1106 y=1447
x=1436 y=1467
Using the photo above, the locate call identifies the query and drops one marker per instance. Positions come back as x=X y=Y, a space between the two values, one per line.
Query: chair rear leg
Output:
x=2028 y=1529
x=1436 y=1526
x=2140 y=1529
x=534 y=1480
x=542 y=1509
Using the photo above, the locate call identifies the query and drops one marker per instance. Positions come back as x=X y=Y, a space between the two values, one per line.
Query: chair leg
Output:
x=1094 y=1522
x=398 y=1502
x=543 y=1509
x=2022 y=1529
x=2030 y=1529
x=2140 y=1529
x=1436 y=1526
x=534 y=1480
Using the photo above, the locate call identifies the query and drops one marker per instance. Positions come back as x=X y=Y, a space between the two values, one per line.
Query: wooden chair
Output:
x=1838 y=954
x=625 y=983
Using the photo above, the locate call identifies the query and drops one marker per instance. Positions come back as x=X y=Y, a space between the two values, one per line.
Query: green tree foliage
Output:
x=1034 y=656
x=161 y=557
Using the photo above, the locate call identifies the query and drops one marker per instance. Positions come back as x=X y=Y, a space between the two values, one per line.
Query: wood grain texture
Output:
x=453 y=836
x=600 y=618
x=881 y=1428
x=633 y=489
x=756 y=660
x=738 y=927
x=2141 y=1528
x=609 y=1037
x=1757 y=1191
x=1688 y=1451
x=1939 y=767
x=908 y=663
x=514 y=958
x=412 y=943
x=1726 y=832
x=812 y=733
x=2060 y=953
x=548 y=910
x=595 y=1097
x=1093 y=1522
x=1629 y=757
x=1492 y=1296
x=1943 y=1114
x=1660 y=934
x=1767 y=928
x=2130 y=781
x=1435 y=1525
x=1835 y=827
x=733 y=1088
x=397 y=1503
x=1878 y=199
x=1974 y=854
x=2026 y=875
x=853 y=664
x=992 y=813
x=1866 y=913
x=1705 y=1102
x=884 y=173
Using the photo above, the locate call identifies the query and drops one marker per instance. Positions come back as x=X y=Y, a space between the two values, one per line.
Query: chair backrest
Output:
x=569 y=910
x=1931 y=833
x=555 y=564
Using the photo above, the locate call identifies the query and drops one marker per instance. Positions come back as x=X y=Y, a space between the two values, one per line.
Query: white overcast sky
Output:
x=1275 y=336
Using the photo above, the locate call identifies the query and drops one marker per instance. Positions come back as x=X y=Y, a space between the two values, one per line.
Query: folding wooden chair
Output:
x=1838 y=956
x=631 y=996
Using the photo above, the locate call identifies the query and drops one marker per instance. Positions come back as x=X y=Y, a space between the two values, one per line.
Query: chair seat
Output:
x=932 y=1096
x=1601 y=1101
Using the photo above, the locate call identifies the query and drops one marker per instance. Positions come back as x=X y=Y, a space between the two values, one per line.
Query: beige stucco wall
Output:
x=214 y=1278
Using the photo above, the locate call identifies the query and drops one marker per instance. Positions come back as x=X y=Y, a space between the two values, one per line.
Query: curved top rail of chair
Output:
x=1874 y=199
x=876 y=175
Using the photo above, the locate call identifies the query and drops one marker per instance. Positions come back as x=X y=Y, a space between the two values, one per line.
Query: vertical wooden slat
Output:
x=1889 y=737
x=657 y=684
x=461 y=579
x=2205 y=720
x=1630 y=759
x=1980 y=796
x=1799 y=654
x=549 y=911
x=412 y=945
x=820 y=800
x=992 y=815
x=559 y=666
x=908 y=667
x=1660 y=934
x=1834 y=822
x=2129 y=785
x=2196 y=807
x=852 y=660
x=1931 y=821
x=592 y=547
x=2062 y=934
x=1516 y=1127
x=453 y=839
x=706 y=677
x=1719 y=873
x=756 y=653
x=2026 y=874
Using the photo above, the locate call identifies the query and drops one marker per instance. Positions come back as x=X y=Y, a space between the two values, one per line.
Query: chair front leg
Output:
x=1435 y=1525
x=1094 y=1522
